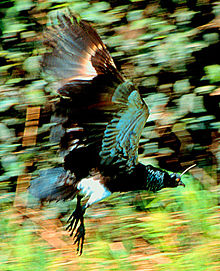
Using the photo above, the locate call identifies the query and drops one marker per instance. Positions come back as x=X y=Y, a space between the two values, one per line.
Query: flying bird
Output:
x=98 y=123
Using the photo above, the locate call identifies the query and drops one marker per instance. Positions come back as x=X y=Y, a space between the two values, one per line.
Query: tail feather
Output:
x=53 y=184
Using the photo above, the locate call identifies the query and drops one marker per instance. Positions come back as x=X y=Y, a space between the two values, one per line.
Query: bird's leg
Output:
x=94 y=189
x=76 y=218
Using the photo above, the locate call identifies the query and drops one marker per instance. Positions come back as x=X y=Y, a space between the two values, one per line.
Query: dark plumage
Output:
x=100 y=117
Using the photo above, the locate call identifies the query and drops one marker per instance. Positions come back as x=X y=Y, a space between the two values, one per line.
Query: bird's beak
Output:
x=181 y=183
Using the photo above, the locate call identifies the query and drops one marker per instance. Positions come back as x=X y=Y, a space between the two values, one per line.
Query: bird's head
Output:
x=174 y=179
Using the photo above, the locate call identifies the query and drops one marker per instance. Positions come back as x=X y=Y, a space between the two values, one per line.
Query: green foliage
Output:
x=169 y=49
x=174 y=229
x=180 y=223
x=213 y=73
x=160 y=49
x=180 y=227
x=20 y=248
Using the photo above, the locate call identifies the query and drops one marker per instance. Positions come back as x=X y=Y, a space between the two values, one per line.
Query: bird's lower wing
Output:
x=122 y=135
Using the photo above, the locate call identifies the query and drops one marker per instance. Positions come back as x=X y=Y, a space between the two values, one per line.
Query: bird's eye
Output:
x=177 y=179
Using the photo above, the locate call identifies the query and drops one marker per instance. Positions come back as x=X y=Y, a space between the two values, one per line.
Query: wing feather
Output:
x=76 y=51
x=122 y=134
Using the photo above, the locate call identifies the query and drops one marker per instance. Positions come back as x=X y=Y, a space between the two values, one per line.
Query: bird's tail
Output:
x=53 y=184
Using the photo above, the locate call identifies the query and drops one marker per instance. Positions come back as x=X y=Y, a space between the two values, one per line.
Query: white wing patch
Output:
x=93 y=188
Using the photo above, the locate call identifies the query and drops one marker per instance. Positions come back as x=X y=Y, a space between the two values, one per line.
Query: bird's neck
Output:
x=144 y=178
x=155 y=179
x=139 y=178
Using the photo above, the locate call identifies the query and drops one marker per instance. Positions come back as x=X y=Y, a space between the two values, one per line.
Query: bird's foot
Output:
x=79 y=238
x=76 y=218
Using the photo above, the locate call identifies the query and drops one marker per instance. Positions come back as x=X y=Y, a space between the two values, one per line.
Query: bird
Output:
x=97 y=121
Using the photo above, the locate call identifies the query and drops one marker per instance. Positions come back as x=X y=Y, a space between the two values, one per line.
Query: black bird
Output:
x=98 y=122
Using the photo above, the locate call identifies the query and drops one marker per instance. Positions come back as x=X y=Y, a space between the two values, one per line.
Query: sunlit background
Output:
x=170 y=49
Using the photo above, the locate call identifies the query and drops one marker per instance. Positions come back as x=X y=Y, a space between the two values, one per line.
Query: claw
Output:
x=76 y=218
x=73 y=223
x=79 y=238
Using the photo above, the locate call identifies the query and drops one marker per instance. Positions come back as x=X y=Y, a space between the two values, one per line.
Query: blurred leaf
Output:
x=213 y=73
x=6 y=134
x=211 y=37
x=7 y=103
x=12 y=166
x=23 y=5
x=32 y=64
x=205 y=89
x=182 y=86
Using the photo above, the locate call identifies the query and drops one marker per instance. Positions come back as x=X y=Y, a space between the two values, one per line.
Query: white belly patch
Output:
x=92 y=188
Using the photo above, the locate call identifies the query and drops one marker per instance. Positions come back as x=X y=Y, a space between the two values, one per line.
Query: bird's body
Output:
x=98 y=123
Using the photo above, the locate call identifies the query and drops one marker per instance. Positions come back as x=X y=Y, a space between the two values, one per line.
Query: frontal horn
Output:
x=187 y=169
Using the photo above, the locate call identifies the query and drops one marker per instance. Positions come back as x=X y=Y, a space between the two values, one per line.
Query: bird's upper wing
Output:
x=102 y=116
x=76 y=52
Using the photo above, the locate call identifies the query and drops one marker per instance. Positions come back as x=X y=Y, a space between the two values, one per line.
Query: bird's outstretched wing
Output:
x=102 y=115
x=76 y=52
x=122 y=134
